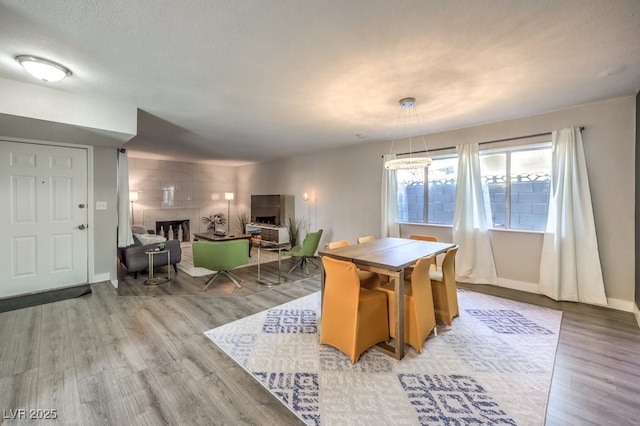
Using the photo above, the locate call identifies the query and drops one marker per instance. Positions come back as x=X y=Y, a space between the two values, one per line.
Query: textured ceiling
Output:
x=243 y=81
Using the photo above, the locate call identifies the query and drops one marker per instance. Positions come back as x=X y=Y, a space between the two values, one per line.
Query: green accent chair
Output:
x=222 y=257
x=305 y=252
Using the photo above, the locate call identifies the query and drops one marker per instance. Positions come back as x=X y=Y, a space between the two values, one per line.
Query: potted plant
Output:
x=242 y=219
x=213 y=220
x=294 y=226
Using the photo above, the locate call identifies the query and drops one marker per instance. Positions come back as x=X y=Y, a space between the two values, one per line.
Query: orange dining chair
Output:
x=336 y=244
x=419 y=315
x=366 y=239
x=353 y=318
x=368 y=279
x=408 y=271
x=426 y=238
x=443 y=284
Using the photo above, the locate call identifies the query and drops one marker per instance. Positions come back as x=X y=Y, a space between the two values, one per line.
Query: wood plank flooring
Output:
x=138 y=355
x=596 y=379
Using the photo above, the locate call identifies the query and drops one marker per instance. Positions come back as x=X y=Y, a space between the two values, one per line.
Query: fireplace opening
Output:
x=267 y=220
x=174 y=229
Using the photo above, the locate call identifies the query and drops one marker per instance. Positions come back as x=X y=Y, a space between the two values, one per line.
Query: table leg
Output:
x=281 y=279
x=152 y=280
x=259 y=250
x=323 y=279
x=279 y=267
x=151 y=266
x=396 y=348
x=399 y=288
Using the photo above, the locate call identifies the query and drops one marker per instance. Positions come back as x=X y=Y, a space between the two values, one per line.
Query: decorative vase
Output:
x=179 y=232
x=162 y=231
x=170 y=236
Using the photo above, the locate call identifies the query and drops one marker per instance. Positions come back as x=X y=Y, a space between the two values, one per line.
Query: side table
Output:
x=270 y=246
x=158 y=280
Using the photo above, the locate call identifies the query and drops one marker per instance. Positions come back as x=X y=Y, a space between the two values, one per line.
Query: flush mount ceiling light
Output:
x=43 y=69
x=409 y=162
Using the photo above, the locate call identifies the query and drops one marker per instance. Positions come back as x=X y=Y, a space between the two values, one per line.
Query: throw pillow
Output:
x=146 y=239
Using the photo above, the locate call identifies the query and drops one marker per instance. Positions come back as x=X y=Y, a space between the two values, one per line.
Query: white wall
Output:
x=37 y=113
x=47 y=105
x=105 y=222
x=345 y=188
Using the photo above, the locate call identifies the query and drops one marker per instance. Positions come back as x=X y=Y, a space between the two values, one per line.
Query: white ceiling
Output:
x=243 y=81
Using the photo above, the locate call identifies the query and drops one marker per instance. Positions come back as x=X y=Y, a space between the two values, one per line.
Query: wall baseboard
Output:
x=518 y=285
x=98 y=278
x=114 y=283
x=617 y=304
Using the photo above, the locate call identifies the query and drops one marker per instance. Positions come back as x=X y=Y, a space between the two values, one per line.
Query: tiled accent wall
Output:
x=170 y=188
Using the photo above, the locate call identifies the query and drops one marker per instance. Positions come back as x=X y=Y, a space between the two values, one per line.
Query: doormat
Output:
x=20 y=302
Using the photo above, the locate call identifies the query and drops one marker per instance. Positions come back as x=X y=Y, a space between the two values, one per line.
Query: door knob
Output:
x=81 y=227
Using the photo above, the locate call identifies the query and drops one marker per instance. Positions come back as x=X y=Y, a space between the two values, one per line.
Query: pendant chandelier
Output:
x=410 y=162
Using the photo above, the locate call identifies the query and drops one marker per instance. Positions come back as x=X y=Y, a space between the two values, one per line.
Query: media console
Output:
x=276 y=234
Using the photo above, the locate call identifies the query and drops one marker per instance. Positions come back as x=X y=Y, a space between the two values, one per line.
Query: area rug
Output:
x=186 y=261
x=492 y=366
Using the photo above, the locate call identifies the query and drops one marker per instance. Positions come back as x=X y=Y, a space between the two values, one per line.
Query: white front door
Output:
x=44 y=241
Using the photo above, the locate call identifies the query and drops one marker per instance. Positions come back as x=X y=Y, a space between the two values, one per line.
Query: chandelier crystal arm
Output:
x=411 y=162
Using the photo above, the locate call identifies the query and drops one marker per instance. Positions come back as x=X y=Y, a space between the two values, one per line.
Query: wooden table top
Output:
x=210 y=236
x=387 y=253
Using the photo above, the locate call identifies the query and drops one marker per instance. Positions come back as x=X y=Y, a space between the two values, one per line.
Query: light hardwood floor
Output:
x=138 y=355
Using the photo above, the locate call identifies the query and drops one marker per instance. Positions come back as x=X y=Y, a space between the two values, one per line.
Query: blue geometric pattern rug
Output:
x=493 y=366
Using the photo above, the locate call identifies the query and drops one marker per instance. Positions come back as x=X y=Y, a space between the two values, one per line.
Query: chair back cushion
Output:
x=366 y=239
x=335 y=244
x=341 y=293
x=424 y=238
x=310 y=243
x=220 y=255
x=448 y=265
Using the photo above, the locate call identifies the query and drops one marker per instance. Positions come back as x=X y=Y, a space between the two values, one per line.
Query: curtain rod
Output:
x=482 y=143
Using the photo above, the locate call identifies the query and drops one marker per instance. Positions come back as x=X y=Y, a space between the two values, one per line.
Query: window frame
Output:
x=508 y=150
x=546 y=144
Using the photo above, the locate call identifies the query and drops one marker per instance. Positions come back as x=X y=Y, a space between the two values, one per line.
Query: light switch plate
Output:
x=101 y=205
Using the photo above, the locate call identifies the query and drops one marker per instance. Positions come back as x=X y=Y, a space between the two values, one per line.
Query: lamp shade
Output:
x=43 y=69
x=133 y=196
x=228 y=196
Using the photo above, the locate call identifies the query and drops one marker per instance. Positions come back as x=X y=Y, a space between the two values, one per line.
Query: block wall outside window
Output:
x=516 y=183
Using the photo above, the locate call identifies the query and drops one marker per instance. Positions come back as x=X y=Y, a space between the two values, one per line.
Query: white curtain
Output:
x=125 y=237
x=570 y=264
x=474 y=261
x=390 y=226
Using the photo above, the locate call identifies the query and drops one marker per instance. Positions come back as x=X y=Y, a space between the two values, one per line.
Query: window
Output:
x=440 y=192
x=516 y=182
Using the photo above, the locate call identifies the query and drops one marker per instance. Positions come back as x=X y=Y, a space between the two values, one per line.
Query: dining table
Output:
x=387 y=256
